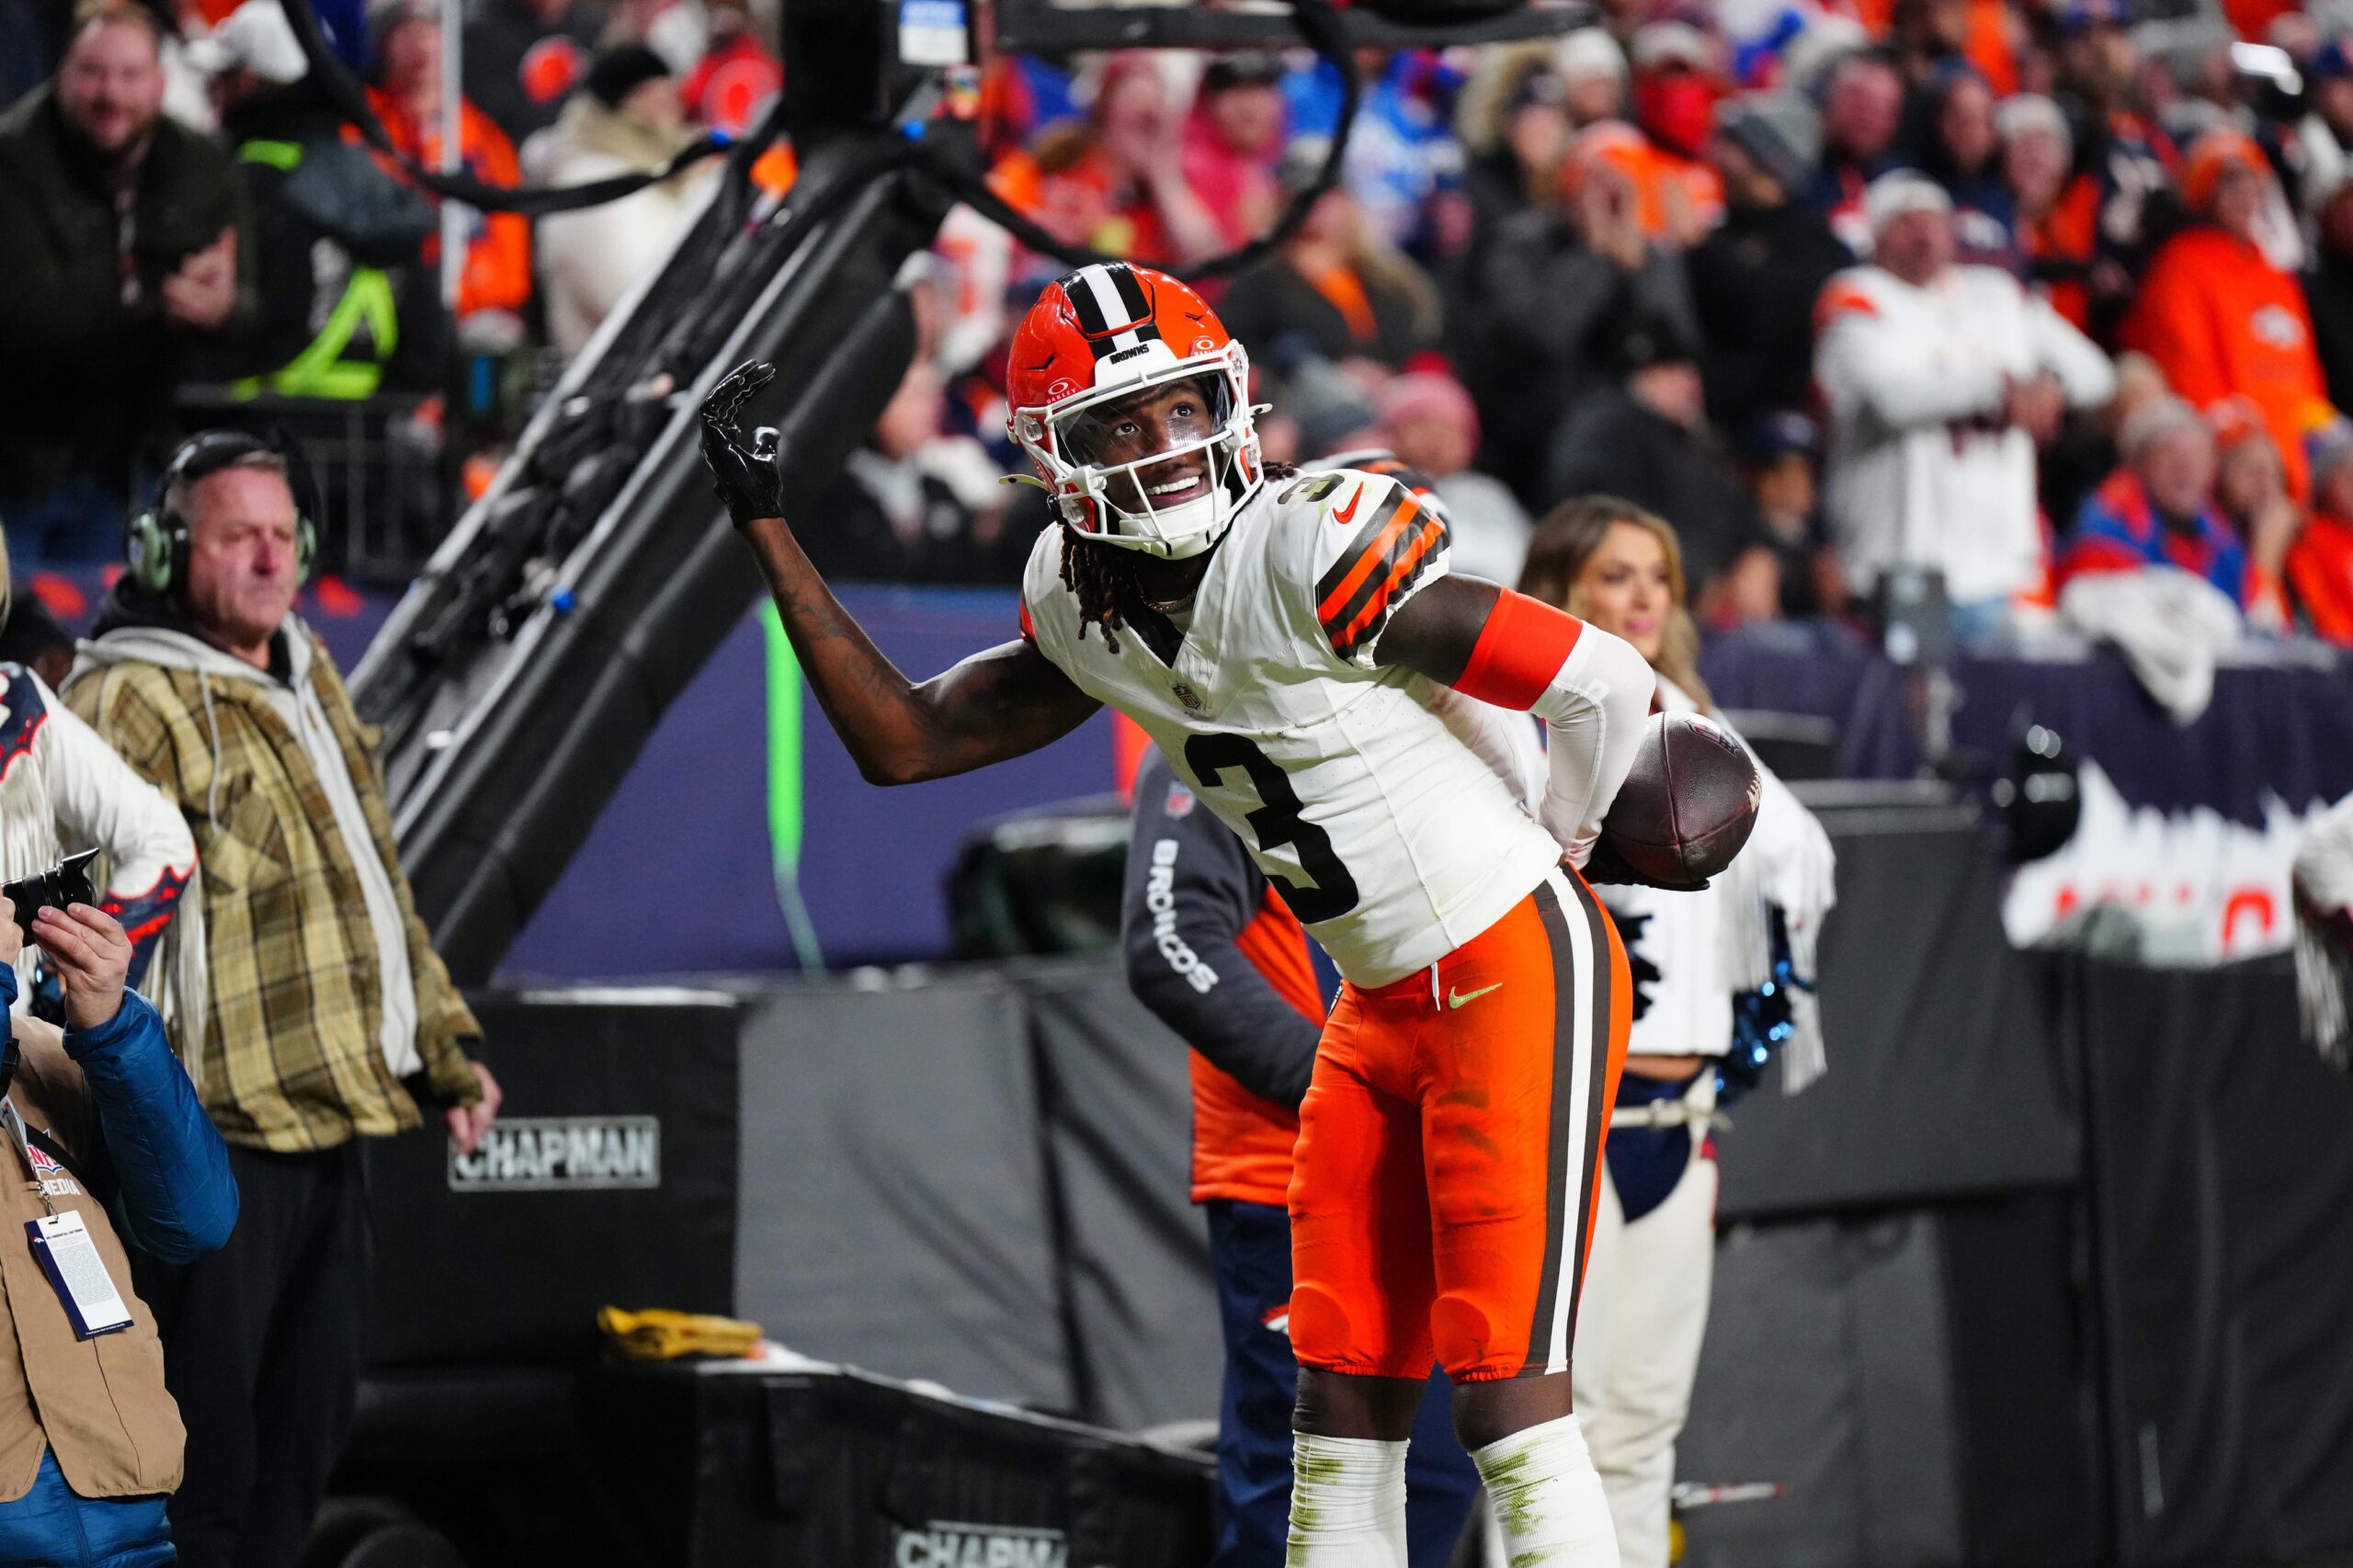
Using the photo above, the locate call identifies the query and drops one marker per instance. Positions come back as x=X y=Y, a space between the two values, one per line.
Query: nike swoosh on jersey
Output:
x=1458 y=998
x=1346 y=515
x=1378 y=567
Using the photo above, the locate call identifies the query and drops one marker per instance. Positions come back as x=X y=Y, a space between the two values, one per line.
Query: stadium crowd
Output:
x=2029 y=295
x=2038 y=297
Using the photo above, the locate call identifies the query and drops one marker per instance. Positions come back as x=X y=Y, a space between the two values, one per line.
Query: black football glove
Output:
x=744 y=475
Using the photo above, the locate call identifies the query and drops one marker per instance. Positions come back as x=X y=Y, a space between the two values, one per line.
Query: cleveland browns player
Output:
x=1298 y=650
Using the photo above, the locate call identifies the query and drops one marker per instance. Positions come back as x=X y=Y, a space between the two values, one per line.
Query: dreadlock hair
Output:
x=1101 y=575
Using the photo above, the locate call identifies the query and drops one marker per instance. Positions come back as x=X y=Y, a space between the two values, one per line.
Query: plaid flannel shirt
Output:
x=293 y=1059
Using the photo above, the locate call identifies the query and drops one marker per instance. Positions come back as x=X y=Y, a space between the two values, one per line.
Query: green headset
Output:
x=154 y=543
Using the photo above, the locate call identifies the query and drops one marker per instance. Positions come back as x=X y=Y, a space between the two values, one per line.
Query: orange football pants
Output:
x=1442 y=1197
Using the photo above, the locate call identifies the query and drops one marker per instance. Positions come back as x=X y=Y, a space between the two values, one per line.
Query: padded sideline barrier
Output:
x=2220 y=1172
x=835 y=1469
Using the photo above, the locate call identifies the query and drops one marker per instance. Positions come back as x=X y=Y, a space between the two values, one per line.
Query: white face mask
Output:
x=1160 y=506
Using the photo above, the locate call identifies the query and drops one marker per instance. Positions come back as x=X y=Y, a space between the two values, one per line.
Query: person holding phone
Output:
x=107 y=1149
x=126 y=241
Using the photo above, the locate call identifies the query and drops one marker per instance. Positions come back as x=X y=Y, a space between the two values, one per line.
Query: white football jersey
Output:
x=1388 y=810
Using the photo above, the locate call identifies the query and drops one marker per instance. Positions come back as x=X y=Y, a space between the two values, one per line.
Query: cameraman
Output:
x=99 y=1122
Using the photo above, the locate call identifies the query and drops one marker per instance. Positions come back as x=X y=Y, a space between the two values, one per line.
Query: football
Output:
x=1688 y=804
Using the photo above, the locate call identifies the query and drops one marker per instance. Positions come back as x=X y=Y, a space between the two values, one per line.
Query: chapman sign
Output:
x=2187 y=887
x=950 y=1543
x=562 y=1153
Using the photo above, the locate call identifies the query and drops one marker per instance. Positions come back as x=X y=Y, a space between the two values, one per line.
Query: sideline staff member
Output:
x=100 y=1119
x=330 y=1014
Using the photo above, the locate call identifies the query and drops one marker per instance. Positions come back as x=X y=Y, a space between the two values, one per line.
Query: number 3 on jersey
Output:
x=1330 y=892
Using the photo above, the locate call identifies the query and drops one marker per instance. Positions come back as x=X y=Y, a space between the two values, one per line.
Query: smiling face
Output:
x=110 y=84
x=1627 y=589
x=1133 y=428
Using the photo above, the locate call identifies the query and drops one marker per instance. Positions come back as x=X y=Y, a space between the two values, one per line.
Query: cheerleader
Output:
x=1644 y=1307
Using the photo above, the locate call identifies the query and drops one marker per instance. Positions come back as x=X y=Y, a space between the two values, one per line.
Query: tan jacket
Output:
x=100 y=1402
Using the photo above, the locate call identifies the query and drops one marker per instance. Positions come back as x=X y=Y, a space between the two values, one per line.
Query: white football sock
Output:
x=1544 y=1493
x=1348 y=1503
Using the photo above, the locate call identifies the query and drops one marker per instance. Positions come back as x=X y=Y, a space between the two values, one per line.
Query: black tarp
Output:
x=1143 y=1318
x=896 y=1208
x=1825 y=1370
x=2220 y=1154
x=511 y=1270
x=1942 y=1078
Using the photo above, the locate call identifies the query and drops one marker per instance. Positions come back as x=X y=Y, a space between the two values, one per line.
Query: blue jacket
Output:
x=141 y=1146
x=164 y=1175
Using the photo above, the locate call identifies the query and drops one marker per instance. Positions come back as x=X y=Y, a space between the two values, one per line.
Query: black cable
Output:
x=1319 y=25
x=1317 y=22
x=349 y=99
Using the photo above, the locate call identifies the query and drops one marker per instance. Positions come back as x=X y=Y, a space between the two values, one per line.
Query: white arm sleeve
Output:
x=1595 y=709
x=102 y=805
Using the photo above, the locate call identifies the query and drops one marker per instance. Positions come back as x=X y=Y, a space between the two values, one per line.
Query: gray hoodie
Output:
x=296 y=702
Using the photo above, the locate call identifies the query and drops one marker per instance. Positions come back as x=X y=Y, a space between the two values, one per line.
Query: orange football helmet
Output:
x=1096 y=337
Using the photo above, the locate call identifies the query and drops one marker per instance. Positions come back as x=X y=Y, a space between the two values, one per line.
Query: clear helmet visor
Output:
x=1129 y=429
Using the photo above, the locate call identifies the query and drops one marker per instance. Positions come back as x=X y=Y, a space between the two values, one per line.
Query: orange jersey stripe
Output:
x=1367 y=559
x=1407 y=565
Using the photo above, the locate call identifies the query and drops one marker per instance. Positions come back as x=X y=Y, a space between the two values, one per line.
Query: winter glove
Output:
x=746 y=476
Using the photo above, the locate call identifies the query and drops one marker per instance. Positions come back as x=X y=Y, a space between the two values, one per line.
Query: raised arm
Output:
x=997 y=704
x=1593 y=690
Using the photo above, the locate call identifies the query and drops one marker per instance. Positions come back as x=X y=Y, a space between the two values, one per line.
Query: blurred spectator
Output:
x=1862 y=110
x=2250 y=487
x=2219 y=318
x=1648 y=441
x=125 y=240
x=1233 y=143
x=1402 y=160
x=1940 y=383
x=1428 y=421
x=2328 y=291
x=1789 y=571
x=2322 y=147
x=1557 y=274
x=1117 y=182
x=2153 y=570
x=1925 y=38
x=2055 y=211
x=915 y=506
x=524 y=56
x=1963 y=154
x=1336 y=283
x=1756 y=276
x=1674 y=105
x=347 y=303
x=1593 y=77
x=2319 y=563
x=2128 y=159
x=1515 y=123
x=738 y=73
x=625 y=118
x=407 y=98
x=2158 y=510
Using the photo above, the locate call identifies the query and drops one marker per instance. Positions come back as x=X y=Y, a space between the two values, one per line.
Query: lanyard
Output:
x=17 y=1135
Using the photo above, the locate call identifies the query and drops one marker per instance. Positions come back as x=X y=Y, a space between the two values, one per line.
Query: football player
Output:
x=1215 y=953
x=1299 y=651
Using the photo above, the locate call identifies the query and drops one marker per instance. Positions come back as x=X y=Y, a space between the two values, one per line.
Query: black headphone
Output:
x=154 y=543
